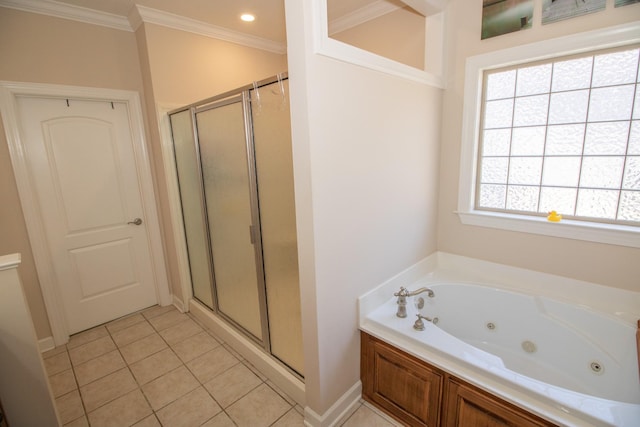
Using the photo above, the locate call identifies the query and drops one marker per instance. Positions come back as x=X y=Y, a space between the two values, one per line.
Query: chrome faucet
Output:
x=402 y=295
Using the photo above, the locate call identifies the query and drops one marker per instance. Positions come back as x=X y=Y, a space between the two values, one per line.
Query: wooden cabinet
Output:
x=466 y=405
x=418 y=394
x=400 y=384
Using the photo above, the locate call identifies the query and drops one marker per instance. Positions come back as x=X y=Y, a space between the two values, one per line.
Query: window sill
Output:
x=569 y=229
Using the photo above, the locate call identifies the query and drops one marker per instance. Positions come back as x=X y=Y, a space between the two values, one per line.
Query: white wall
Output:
x=605 y=264
x=366 y=172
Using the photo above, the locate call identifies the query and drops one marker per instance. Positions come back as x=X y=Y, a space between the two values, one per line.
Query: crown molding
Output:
x=68 y=11
x=137 y=16
x=140 y=14
x=360 y=16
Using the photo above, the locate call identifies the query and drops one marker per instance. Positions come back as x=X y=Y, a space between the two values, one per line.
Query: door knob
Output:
x=136 y=221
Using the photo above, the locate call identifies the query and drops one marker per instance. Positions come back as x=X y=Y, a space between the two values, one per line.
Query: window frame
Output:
x=611 y=37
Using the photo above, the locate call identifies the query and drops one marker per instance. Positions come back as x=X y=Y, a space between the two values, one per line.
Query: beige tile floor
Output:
x=160 y=367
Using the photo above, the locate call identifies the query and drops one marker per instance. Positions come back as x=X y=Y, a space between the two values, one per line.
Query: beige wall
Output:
x=13 y=238
x=186 y=67
x=167 y=67
x=399 y=35
x=36 y=48
x=610 y=265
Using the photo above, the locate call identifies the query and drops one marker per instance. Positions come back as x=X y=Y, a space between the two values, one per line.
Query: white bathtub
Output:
x=568 y=363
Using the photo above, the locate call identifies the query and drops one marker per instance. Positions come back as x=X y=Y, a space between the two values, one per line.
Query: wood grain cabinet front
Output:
x=420 y=395
x=402 y=385
x=466 y=405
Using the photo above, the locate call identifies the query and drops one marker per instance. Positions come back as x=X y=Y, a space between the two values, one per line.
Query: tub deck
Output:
x=448 y=345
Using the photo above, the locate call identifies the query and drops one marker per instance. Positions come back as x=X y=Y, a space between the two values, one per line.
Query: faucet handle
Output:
x=403 y=292
x=419 y=324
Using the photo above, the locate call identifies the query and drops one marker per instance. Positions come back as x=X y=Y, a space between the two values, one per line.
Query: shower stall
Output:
x=235 y=174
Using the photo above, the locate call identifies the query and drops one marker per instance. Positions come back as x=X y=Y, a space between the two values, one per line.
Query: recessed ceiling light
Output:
x=247 y=17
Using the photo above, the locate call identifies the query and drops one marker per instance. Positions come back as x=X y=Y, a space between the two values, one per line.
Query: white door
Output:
x=81 y=162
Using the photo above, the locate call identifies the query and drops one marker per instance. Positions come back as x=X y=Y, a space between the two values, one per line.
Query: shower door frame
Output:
x=238 y=95
x=254 y=230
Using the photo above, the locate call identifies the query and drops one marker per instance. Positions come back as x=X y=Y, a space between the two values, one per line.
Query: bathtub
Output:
x=568 y=363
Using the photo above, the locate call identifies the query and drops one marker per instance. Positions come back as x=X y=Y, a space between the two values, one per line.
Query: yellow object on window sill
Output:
x=554 y=216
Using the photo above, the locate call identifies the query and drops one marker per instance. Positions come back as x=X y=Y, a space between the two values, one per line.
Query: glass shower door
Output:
x=235 y=169
x=232 y=213
x=274 y=169
x=188 y=169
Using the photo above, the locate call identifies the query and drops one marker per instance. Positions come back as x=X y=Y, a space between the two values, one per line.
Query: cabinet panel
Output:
x=401 y=385
x=466 y=405
x=419 y=394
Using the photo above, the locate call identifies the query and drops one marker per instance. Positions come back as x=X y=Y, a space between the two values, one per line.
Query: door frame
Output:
x=175 y=207
x=9 y=91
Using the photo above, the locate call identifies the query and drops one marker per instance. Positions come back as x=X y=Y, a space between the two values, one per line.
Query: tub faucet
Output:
x=402 y=295
x=419 y=325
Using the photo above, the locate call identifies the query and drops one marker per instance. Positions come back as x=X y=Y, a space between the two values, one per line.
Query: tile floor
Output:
x=160 y=367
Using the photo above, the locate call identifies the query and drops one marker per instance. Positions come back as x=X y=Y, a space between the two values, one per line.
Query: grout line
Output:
x=75 y=378
x=240 y=361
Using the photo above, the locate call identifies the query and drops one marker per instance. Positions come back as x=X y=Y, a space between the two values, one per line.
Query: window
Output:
x=555 y=125
x=563 y=135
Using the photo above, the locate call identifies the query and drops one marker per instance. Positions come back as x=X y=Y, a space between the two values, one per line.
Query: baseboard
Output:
x=46 y=344
x=274 y=371
x=338 y=413
x=179 y=304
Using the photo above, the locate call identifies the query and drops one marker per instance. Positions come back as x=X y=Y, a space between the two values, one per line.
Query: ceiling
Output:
x=269 y=23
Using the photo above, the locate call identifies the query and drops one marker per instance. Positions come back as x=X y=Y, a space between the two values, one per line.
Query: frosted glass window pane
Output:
x=534 y=80
x=601 y=172
x=522 y=198
x=528 y=141
x=568 y=107
x=498 y=114
x=597 y=203
x=632 y=174
x=615 y=68
x=629 y=206
x=561 y=200
x=561 y=171
x=611 y=103
x=606 y=138
x=525 y=170
x=494 y=170
x=567 y=136
x=501 y=85
x=573 y=74
x=496 y=142
x=531 y=110
x=493 y=196
x=564 y=140
x=634 y=139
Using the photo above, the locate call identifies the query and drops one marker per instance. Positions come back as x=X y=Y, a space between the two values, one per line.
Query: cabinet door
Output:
x=469 y=406
x=400 y=384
